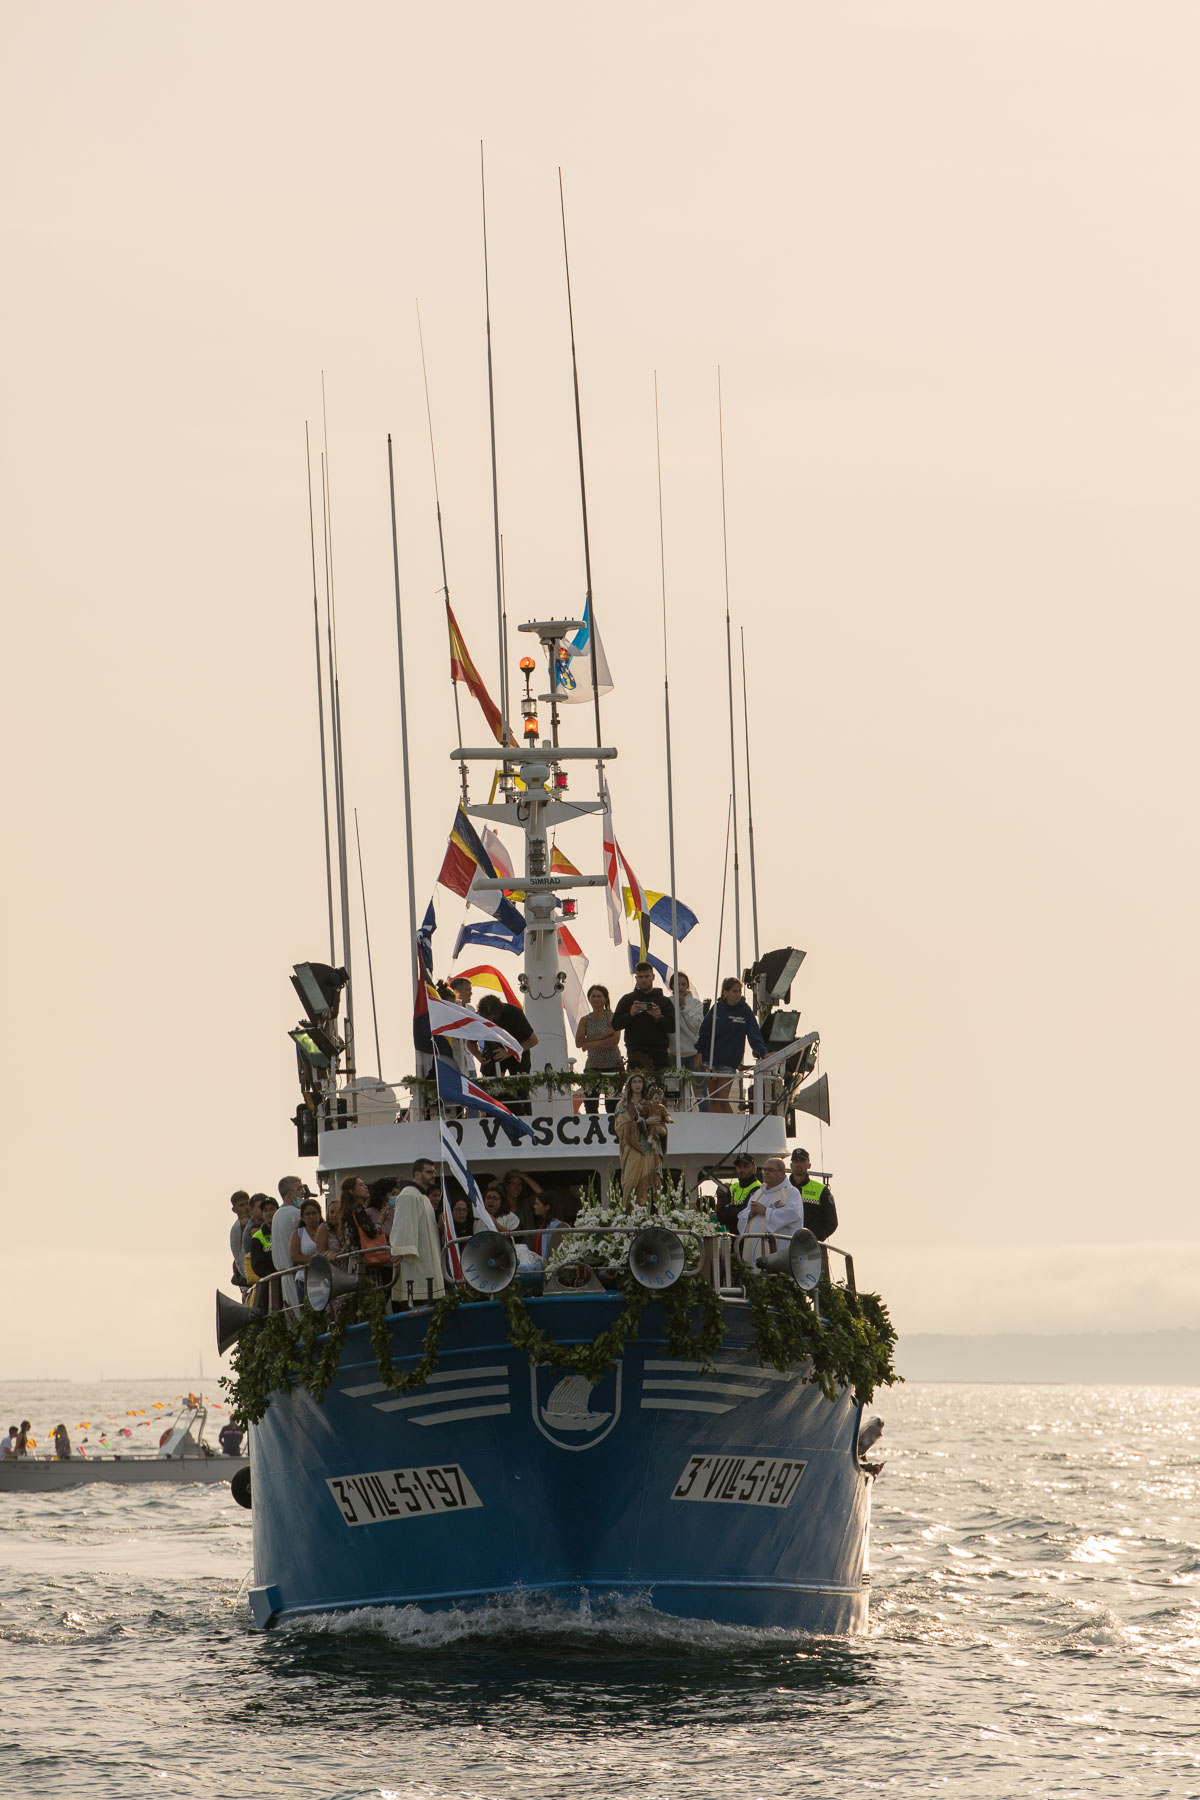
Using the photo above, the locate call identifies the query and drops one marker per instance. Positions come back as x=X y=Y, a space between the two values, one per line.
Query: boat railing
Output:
x=762 y=1089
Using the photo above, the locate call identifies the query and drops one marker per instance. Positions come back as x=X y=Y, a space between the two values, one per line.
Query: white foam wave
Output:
x=622 y=1619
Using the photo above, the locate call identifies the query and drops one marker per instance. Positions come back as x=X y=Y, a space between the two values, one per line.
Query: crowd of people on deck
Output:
x=397 y=1229
x=405 y=1234
x=643 y=1031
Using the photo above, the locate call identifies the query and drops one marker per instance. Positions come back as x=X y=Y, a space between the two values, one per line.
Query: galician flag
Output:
x=573 y=673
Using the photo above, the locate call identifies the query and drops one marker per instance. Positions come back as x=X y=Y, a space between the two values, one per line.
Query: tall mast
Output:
x=487 y=302
x=737 y=895
x=312 y=538
x=408 y=830
x=662 y=558
x=367 y=934
x=437 y=500
x=335 y=714
x=749 y=799
x=590 y=605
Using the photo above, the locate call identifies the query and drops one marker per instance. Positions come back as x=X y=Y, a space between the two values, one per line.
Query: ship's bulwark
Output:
x=731 y=1494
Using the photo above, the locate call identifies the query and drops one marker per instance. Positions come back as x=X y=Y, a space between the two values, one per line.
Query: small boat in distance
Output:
x=183 y=1455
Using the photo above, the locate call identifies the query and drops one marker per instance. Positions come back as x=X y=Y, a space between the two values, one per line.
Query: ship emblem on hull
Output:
x=572 y=1411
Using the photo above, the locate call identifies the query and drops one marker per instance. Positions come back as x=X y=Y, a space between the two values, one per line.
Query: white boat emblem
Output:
x=566 y=1415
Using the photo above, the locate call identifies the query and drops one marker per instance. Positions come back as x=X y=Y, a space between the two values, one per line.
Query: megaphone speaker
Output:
x=813 y=1099
x=232 y=1320
x=656 y=1257
x=489 y=1261
x=800 y=1258
x=324 y=1282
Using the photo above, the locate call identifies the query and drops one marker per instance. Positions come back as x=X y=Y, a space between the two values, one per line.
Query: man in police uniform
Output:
x=820 y=1214
x=732 y=1198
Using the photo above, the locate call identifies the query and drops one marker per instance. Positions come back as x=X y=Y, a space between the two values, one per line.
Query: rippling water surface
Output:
x=1035 y=1631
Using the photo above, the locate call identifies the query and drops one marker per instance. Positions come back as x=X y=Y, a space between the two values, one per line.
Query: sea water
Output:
x=1035 y=1630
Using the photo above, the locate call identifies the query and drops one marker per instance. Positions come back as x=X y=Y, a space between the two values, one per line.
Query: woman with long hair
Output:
x=725 y=1029
x=595 y=1034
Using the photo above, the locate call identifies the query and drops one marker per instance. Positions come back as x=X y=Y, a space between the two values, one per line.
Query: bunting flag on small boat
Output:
x=658 y=911
x=484 y=975
x=636 y=908
x=573 y=686
x=457 y=1090
x=463 y=669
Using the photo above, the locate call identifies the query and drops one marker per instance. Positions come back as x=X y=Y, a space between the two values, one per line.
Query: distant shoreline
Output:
x=1106 y=1359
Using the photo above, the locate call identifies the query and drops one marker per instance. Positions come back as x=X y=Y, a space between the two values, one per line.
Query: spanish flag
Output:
x=463 y=669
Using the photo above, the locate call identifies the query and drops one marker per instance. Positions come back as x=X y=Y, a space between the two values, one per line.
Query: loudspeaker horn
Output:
x=489 y=1261
x=232 y=1320
x=813 y=1099
x=324 y=1282
x=656 y=1257
x=800 y=1258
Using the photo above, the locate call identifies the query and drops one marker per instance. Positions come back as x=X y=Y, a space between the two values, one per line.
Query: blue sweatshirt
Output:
x=735 y=1024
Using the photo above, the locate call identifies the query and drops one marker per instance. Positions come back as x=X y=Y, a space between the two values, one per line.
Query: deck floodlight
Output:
x=232 y=1320
x=323 y=1283
x=782 y=1030
x=656 y=1257
x=316 y=1046
x=307 y=1139
x=488 y=1260
x=320 y=989
x=776 y=971
x=800 y=1258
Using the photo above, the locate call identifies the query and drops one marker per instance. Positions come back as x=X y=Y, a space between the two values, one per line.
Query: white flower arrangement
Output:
x=670 y=1208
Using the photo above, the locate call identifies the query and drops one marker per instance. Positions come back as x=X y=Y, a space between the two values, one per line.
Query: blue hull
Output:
x=731 y=1494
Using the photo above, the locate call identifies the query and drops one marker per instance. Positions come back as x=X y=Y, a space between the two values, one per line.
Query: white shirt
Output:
x=286 y=1220
x=784 y=1215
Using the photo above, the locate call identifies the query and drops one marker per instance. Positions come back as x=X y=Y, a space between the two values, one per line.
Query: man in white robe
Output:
x=416 y=1247
x=773 y=1210
x=287 y=1220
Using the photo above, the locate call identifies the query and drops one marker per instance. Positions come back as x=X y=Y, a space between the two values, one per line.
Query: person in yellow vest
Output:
x=820 y=1214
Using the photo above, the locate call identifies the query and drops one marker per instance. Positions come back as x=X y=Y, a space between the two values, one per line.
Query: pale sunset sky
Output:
x=945 y=257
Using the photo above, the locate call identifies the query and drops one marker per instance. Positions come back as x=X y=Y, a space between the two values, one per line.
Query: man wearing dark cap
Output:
x=820 y=1214
x=647 y=1018
x=732 y=1198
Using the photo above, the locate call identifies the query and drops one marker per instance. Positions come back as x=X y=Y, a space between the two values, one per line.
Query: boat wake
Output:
x=625 y=1621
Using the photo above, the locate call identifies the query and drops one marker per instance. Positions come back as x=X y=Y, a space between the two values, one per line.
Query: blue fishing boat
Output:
x=651 y=1394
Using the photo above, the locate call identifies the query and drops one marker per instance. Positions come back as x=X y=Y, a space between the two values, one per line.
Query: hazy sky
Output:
x=946 y=259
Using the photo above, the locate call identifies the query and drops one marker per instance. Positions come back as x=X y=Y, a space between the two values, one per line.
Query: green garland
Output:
x=560 y=1081
x=848 y=1338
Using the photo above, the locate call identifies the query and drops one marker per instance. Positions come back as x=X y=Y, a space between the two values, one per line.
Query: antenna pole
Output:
x=437 y=500
x=487 y=303
x=367 y=934
x=712 y=1040
x=587 y=547
x=662 y=558
x=335 y=715
x=408 y=831
x=312 y=538
x=749 y=799
x=737 y=889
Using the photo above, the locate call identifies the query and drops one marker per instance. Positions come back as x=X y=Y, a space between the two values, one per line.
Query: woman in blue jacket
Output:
x=721 y=1040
